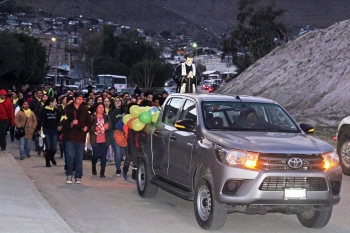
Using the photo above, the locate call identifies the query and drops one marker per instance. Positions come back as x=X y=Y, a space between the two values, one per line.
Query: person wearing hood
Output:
x=49 y=121
x=6 y=117
x=27 y=119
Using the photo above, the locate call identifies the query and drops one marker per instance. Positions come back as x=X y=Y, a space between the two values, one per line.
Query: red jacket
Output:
x=6 y=110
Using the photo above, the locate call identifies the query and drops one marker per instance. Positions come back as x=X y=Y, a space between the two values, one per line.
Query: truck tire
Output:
x=210 y=214
x=315 y=219
x=144 y=186
x=343 y=149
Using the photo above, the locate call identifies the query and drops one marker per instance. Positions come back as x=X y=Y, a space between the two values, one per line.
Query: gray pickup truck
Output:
x=237 y=154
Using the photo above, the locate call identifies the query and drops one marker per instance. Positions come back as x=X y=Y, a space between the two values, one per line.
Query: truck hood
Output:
x=269 y=142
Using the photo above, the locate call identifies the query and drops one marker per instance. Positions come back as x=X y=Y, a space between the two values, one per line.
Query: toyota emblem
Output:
x=295 y=162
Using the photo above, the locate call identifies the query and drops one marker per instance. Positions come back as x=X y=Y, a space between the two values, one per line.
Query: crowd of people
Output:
x=74 y=120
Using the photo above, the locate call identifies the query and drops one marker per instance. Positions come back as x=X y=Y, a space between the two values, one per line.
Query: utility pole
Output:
x=56 y=51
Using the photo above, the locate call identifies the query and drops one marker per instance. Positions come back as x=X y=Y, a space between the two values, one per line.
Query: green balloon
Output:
x=159 y=125
x=145 y=117
x=51 y=93
x=149 y=129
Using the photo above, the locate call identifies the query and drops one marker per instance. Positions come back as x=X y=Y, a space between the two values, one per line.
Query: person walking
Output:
x=27 y=119
x=99 y=138
x=14 y=100
x=115 y=116
x=49 y=122
x=6 y=117
x=76 y=123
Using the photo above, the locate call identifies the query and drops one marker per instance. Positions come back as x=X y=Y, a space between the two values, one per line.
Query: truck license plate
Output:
x=294 y=194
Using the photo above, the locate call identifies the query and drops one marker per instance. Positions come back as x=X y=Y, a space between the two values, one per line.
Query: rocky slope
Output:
x=217 y=15
x=309 y=76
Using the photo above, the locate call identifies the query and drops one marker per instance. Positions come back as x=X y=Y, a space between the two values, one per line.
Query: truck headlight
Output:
x=236 y=157
x=330 y=159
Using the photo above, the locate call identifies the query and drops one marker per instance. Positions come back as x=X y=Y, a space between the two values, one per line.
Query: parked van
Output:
x=217 y=81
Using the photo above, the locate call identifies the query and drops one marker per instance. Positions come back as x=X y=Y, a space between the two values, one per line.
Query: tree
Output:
x=23 y=60
x=254 y=35
x=33 y=68
x=126 y=54
x=150 y=73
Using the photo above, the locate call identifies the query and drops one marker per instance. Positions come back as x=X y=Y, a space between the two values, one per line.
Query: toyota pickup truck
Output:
x=237 y=154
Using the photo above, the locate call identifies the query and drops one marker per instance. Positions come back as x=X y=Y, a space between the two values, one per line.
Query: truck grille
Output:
x=279 y=162
x=277 y=183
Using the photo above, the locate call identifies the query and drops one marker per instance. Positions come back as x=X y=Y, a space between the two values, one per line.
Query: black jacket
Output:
x=115 y=115
x=49 y=118
x=76 y=134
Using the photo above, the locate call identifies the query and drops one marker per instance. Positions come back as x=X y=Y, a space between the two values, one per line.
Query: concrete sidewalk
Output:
x=23 y=208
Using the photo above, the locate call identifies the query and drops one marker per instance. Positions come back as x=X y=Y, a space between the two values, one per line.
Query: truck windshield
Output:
x=247 y=116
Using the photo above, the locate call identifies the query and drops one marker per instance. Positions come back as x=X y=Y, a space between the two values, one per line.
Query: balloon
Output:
x=137 y=125
x=152 y=110
x=155 y=117
x=135 y=110
x=130 y=122
x=126 y=118
x=159 y=125
x=145 y=108
x=51 y=92
x=145 y=117
x=148 y=128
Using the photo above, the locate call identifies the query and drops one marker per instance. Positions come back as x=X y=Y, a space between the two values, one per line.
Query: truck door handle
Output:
x=173 y=137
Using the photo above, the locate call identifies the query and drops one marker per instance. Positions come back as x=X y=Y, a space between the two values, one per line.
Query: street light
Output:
x=194 y=45
x=56 y=51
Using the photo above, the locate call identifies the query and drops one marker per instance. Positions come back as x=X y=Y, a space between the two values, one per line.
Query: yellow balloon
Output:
x=126 y=118
x=145 y=108
x=155 y=117
x=137 y=125
x=135 y=110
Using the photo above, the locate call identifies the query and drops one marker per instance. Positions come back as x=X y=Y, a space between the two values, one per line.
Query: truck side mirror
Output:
x=308 y=129
x=185 y=125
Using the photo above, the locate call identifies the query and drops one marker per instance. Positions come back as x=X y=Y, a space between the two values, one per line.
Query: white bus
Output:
x=109 y=80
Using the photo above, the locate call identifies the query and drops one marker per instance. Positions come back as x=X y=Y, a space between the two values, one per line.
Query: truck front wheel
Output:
x=315 y=218
x=343 y=149
x=210 y=214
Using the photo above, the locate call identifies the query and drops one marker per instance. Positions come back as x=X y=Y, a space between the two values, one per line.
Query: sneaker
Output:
x=125 y=176
x=118 y=172
x=69 y=180
x=21 y=158
x=78 y=181
x=28 y=156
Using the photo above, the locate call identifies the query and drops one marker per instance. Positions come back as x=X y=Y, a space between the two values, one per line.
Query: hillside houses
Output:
x=60 y=35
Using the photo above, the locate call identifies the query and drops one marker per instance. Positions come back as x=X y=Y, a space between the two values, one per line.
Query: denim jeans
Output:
x=118 y=151
x=36 y=142
x=75 y=152
x=3 y=132
x=99 y=151
x=50 y=140
x=24 y=146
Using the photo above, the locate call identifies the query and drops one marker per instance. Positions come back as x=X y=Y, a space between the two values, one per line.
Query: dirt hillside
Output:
x=309 y=76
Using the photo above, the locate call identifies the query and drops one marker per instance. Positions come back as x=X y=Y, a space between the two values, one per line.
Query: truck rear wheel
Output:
x=315 y=218
x=343 y=149
x=210 y=214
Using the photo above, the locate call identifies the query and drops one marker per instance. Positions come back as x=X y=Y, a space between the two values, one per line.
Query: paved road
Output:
x=113 y=205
